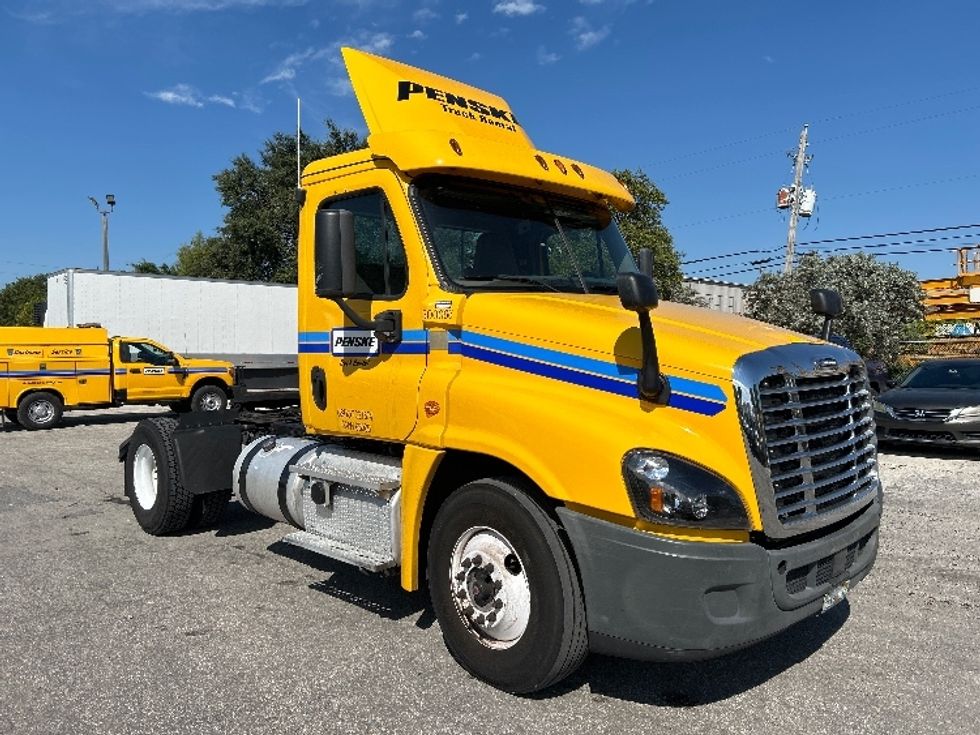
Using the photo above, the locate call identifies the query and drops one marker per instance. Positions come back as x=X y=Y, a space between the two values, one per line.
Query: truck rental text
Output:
x=495 y=405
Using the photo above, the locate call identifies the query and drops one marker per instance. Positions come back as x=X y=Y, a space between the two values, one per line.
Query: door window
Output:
x=381 y=267
x=142 y=352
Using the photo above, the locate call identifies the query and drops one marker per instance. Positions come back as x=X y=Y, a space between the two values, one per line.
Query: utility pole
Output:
x=110 y=200
x=801 y=160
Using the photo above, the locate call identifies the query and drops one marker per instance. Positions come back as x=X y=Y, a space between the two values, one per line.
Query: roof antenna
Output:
x=300 y=192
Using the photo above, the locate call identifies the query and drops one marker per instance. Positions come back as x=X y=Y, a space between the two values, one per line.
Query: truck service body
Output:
x=45 y=370
x=480 y=412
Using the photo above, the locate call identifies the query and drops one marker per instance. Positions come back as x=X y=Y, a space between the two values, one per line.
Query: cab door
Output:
x=144 y=371
x=350 y=381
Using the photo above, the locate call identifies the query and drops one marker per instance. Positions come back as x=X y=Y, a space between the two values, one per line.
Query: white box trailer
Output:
x=240 y=321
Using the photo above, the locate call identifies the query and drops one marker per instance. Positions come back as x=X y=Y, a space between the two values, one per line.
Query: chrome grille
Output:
x=818 y=441
x=922 y=414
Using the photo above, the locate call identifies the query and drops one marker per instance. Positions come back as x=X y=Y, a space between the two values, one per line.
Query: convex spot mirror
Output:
x=334 y=254
x=826 y=302
x=637 y=292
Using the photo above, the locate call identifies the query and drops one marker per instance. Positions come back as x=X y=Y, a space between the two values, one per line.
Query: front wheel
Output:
x=504 y=588
x=208 y=398
x=40 y=410
x=159 y=500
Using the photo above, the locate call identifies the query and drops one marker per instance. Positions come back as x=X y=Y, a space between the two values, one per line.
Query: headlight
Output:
x=884 y=408
x=970 y=413
x=668 y=489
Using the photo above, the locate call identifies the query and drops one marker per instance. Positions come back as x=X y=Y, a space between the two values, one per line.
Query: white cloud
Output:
x=417 y=35
x=424 y=15
x=585 y=36
x=546 y=57
x=510 y=8
x=591 y=2
x=218 y=99
x=475 y=56
x=768 y=59
x=179 y=94
x=461 y=17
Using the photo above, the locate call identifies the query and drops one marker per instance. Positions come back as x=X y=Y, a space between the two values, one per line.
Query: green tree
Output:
x=257 y=240
x=17 y=300
x=643 y=227
x=882 y=302
x=261 y=228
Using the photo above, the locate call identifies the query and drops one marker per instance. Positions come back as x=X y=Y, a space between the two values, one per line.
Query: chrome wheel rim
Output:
x=490 y=587
x=211 y=401
x=145 y=477
x=41 y=412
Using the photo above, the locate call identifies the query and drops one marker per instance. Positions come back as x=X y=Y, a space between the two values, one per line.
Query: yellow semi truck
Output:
x=45 y=370
x=493 y=403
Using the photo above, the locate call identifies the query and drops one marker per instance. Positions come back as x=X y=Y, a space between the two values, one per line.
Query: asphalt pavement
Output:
x=104 y=629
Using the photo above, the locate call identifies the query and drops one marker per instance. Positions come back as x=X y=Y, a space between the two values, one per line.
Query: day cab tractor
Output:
x=495 y=404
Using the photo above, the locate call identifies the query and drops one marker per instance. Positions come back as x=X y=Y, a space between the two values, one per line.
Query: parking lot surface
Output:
x=104 y=629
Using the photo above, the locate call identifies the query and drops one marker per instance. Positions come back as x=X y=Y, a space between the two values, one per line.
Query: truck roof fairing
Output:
x=428 y=123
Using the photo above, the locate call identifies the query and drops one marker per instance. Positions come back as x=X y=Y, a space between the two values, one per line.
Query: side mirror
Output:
x=826 y=302
x=171 y=359
x=334 y=254
x=637 y=292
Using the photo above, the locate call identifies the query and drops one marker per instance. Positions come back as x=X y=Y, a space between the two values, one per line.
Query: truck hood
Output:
x=690 y=339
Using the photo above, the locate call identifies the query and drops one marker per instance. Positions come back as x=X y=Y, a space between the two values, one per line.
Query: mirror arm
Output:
x=387 y=327
x=825 y=332
x=653 y=386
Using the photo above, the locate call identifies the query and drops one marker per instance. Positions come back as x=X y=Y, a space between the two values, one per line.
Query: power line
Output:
x=848 y=238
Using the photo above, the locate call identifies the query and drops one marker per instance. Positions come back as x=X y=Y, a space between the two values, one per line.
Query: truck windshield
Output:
x=493 y=237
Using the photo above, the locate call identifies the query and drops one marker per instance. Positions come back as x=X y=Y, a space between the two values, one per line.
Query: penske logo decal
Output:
x=460 y=106
x=154 y=371
x=354 y=343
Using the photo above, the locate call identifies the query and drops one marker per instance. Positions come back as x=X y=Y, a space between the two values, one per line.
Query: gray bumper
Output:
x=652 y=598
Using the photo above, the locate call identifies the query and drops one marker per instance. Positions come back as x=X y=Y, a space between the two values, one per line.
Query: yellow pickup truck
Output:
x=45 y=370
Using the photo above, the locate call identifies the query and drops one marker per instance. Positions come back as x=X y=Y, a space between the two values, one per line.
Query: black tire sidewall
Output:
x=23 y=410
x=153 y=519
x=530 y=662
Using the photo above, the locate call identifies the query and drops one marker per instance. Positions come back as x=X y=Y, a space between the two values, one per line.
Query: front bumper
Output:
x=652 y=598
x=951 y=433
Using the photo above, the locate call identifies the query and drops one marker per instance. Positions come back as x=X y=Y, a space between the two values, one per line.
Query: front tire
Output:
x=208 y=398
x=40 y=410
x=159 y=500
x=504 y=588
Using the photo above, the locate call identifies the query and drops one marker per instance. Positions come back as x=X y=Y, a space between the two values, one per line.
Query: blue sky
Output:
x=148 y=98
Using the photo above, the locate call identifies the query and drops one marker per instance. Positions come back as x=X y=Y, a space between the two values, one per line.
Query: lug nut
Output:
x=497 y=586
x=479 y=620
x=461 y=576
x=489 y=568
x=467 y=610
x=477 y=559
x=461 y=594
x=497 y=604
x=492 y=617
x=466 y=563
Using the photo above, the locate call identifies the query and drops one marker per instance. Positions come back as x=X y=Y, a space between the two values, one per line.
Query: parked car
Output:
x=937 y=403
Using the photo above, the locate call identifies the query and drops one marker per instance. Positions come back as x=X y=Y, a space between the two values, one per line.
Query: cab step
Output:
x=340 y=551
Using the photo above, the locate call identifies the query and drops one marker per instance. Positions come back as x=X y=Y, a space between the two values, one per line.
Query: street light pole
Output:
x=110 y=200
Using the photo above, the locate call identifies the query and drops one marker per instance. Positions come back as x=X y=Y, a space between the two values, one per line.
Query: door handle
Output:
x=134 y=370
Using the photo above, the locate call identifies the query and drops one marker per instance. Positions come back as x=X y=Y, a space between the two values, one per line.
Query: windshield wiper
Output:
x=536 y=280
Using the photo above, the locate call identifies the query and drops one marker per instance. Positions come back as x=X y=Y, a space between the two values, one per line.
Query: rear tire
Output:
x=208 y=398
x=159 y=501
x=11 y=415
x=40 y=410
x=504 y=588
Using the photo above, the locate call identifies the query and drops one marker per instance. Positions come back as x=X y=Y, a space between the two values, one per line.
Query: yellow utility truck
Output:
x=494 y=404
x=45 y=370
